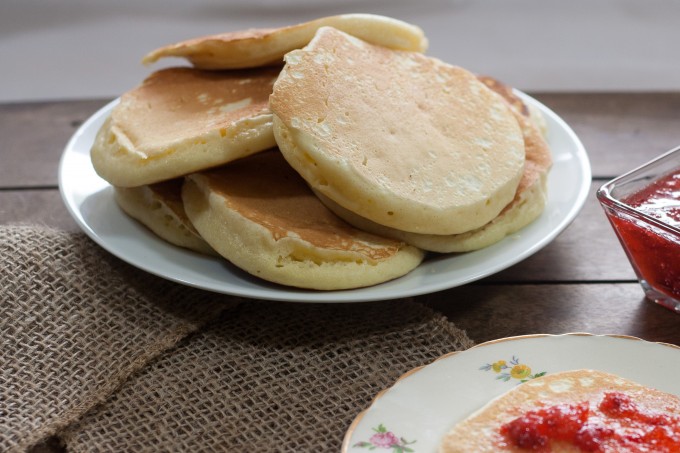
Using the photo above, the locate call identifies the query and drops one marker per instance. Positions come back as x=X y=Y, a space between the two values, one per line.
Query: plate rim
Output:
x=357 y=295
x=357 y=419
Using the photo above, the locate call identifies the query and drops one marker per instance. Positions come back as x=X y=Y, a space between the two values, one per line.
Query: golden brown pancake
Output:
x=260 y=215
x=182 y=120
x=399 y=138
x=480 y=432
x=266 y=46
x=159 y=207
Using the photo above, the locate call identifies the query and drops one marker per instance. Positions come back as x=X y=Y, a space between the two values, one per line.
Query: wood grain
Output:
x=33 y=138
x=42 y=207
x=487 y=312
x=619 y=131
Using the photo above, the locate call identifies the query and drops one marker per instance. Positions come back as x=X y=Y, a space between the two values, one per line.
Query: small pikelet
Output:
x=399 y=138
x=266 y=46
x=528 y=204
x=182 y=120
x=159 y=207
x=261 y=216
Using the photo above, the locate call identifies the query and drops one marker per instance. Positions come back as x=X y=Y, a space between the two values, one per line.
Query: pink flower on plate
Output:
x=384 y=440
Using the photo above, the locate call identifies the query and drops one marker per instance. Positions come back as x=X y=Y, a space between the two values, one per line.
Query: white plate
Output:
x=425 y=403
x=90 y=201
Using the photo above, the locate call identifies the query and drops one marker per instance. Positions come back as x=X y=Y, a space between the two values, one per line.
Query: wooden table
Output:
x=581 y=282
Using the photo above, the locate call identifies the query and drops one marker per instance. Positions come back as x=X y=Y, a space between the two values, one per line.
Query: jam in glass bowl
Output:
x=643 y=207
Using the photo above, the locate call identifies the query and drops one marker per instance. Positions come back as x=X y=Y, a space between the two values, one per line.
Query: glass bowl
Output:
x=643 y=207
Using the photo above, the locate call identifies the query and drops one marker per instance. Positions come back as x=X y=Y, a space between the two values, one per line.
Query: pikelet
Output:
x=266 y=46
x=260 y=215
x=527 y=205
x=159 y=207
x=399 y=138
x=182 y=120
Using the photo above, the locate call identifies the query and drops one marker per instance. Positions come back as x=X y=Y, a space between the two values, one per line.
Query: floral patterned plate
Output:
x=415 y=413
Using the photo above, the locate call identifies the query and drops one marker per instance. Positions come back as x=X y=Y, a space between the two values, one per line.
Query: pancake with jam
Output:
x=399 y=138
x=261 y=216
x=527 y=205
x=182 y=120
x=262 y=47
x=159 y=207
x=572 y=411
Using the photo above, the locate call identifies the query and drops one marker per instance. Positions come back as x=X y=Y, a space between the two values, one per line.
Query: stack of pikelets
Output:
x=328 y=155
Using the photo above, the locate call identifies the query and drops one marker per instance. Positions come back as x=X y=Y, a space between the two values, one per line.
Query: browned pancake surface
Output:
x=264 y=189
x=176 y=103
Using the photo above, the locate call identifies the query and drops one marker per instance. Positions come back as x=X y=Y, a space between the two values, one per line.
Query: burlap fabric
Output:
x=75 y=322
x=276 y=377
x=263 y=376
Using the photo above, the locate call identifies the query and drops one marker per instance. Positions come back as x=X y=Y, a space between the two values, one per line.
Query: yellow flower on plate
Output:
x=498 y=366
x=520 y=371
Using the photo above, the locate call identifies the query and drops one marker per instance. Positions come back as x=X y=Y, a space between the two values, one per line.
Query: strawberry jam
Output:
x=654 y=250
x=614 y=424
x=660 y=200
